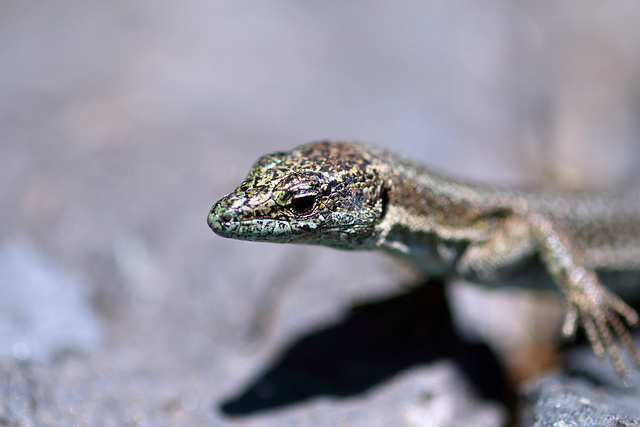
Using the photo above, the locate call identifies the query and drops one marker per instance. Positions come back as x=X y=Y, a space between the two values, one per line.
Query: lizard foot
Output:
x=599 y=311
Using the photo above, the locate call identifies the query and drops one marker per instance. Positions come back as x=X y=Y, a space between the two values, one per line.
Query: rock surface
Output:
x=122 y=122
x=560 y=400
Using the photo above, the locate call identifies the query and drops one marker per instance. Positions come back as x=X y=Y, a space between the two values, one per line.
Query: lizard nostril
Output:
x=218 y=215
x=222 y=220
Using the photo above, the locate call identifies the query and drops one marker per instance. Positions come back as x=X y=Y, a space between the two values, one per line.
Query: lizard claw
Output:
x=570 y=321
x=600 y=313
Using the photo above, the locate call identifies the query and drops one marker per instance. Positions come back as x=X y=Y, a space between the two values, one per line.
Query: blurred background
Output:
x=122 y=122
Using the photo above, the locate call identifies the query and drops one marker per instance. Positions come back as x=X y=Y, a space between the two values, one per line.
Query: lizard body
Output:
x=352 y=196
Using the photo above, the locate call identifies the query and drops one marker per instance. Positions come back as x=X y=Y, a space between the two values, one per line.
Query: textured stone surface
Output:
x=122 y=122
x=42 y=309
x=587 y=393
x=560 y=400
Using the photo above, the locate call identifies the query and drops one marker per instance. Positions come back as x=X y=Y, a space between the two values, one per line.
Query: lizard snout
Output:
x=221 y=217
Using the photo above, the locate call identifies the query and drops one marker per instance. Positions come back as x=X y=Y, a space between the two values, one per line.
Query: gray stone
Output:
x=434 y=396
x=122 y=122
x=43 y=309
x=560 y=400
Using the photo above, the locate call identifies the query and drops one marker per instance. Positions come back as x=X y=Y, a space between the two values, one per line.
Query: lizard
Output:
x=353 y=196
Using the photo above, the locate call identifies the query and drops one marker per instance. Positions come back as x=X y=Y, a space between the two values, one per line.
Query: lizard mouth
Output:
x=270 y=230
x=230 y=223
x=228 y=226
x=262 y=229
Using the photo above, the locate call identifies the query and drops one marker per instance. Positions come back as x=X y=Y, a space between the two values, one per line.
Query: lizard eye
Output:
x=303 y=204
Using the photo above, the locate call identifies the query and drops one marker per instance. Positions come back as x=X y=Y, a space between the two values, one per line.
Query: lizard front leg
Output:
x=508 y=246
x=516 y=239
x=589 y=302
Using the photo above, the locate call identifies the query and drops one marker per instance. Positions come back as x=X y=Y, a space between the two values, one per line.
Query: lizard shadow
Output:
x=373 y=342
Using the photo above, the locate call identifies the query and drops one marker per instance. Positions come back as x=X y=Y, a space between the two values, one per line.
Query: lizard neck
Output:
x=430 y=218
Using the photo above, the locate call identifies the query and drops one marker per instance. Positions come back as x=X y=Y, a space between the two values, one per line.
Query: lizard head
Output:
x=324 y=193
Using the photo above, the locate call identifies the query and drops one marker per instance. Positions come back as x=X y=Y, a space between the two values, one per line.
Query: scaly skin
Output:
x=352 y=196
